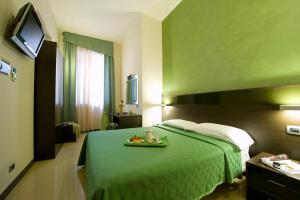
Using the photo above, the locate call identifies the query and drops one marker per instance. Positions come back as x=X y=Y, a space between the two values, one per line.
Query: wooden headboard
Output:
x=253 y=110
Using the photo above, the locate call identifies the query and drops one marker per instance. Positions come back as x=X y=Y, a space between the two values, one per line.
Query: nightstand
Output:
x=127 y=120
x=263 y=182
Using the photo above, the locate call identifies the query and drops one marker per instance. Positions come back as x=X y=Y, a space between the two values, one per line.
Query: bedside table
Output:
x=263 y=182
x=127 y=120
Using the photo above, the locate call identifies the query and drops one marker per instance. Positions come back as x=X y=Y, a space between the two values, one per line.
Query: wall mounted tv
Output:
x=132 y=89
x=27 y=31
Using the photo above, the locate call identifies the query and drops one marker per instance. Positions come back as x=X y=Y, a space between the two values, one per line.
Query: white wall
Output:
x=132 y=61
x=151 y=70
x=16 y=102
x=142 y=55
x=118 y=73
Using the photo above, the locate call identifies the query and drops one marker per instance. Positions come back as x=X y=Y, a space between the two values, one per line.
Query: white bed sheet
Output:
x=244 y=157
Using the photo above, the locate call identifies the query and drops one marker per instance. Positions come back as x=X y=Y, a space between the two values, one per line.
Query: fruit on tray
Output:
x=136 y=139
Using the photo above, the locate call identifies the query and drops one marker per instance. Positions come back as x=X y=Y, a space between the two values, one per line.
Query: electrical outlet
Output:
x=11 y=167
x=13 y=73
x=294 y=130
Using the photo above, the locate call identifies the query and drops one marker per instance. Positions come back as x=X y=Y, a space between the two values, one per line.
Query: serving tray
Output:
x=164 y=142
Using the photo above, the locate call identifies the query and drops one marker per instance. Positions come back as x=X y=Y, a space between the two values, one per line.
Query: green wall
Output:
x=215 y=45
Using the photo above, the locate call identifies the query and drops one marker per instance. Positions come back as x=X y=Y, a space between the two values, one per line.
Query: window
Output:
x=89 y=88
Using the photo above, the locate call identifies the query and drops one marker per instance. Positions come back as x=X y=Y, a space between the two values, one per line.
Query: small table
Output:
x=64 y=133
x=263 y=182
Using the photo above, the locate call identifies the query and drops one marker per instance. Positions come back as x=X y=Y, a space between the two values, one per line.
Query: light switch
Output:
x=4 y=67
x=294 y=130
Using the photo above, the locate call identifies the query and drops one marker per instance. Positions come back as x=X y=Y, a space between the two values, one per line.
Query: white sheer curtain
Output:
x=89 y=88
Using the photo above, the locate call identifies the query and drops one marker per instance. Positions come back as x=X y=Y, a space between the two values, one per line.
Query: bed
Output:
x=189 y=167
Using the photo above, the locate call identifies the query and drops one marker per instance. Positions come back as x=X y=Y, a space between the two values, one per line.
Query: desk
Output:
x=127 y=120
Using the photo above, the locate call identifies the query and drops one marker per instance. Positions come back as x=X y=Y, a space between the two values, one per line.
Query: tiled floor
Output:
x=56 y=179
x=235 y=191
x=61 y=179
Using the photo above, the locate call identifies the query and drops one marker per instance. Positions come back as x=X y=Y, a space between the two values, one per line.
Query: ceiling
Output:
x=106 y=19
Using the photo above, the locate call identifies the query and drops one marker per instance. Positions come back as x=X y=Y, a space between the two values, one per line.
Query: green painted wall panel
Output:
x=215 y=45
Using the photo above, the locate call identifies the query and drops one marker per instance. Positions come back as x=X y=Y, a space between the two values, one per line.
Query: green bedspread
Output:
x=189 y=167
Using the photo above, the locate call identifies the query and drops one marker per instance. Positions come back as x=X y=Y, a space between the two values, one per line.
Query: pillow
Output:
x=179 y=123
x=234 y=135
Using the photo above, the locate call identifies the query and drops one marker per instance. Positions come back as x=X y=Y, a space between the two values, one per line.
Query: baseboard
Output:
x=11 y=186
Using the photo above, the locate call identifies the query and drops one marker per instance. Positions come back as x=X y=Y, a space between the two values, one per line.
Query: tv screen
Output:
x=28 y=32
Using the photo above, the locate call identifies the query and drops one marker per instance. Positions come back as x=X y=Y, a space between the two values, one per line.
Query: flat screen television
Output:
x=132 y=89
x=27 y=31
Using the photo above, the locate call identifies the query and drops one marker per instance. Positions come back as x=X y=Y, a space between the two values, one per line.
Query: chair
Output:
x=106 y=123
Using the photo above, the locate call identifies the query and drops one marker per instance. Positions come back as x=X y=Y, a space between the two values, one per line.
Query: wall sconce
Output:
x=289 y=107
x=292 y=112
x=166 y=104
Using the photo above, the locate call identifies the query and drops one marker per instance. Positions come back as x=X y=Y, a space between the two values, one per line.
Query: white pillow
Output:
x=236 y=136
x=179 y=123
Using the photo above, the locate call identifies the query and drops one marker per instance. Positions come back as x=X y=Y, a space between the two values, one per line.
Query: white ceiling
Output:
x=106 y=19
